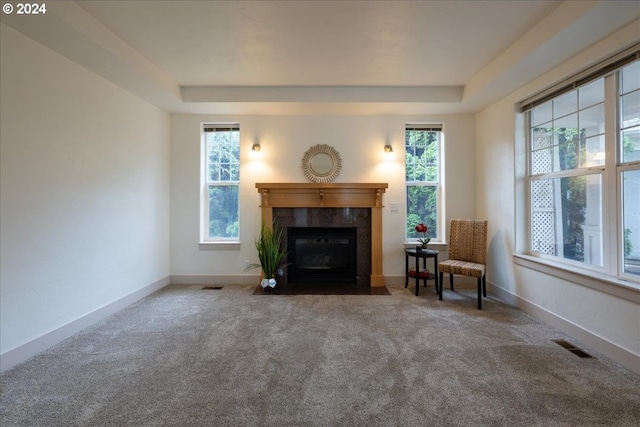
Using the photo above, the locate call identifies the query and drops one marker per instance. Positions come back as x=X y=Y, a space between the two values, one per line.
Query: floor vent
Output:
x=211 y=288
x=573 y=349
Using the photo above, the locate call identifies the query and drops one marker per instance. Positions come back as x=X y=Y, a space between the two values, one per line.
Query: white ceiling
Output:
x=322 y=42
x=323 y=56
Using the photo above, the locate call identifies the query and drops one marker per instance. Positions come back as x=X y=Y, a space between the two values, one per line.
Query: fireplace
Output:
x=331 y=205
x=322 y=254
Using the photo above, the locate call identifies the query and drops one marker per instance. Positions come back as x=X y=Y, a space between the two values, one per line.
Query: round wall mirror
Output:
x=321 y=163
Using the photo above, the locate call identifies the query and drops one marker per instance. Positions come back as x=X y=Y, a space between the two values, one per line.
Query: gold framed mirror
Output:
x=321 y=163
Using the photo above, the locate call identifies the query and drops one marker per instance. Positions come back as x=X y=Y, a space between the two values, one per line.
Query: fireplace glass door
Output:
x=322 y=254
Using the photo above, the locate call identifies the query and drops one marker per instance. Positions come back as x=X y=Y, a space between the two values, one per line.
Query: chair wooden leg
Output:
x=479 y=293
x=451 y=280
x=440 y=287
x=484 y=286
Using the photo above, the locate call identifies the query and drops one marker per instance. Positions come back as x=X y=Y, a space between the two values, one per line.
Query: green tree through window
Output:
x=222 y=178
x=422 y=167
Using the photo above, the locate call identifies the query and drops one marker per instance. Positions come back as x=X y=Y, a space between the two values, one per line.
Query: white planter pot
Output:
x=269 y=283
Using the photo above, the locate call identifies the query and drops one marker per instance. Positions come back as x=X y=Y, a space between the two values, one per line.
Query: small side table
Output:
x=424 y=254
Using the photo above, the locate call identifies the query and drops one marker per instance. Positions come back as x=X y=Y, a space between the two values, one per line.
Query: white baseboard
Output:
x=391 y=281
x=232 y=279
x=21 y=353
x=616 y=353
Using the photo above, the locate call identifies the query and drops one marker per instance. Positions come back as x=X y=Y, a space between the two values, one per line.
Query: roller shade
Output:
x=590 y=74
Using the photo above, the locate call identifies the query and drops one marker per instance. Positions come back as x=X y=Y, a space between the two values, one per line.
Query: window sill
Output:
x=212 y=246
x=620 y=288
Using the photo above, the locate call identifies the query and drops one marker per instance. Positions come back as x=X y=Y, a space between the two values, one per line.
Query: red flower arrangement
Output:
x=421 y=228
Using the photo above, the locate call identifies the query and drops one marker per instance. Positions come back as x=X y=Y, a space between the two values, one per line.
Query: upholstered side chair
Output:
x=467 y=254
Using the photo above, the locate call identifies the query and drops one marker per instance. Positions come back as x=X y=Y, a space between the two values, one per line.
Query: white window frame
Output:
x=621 y=167
x=578 y=171
x=438 y=183
x=612 y=270
x=205 y=238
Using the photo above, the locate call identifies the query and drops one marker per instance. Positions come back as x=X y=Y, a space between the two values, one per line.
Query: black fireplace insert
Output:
x=322 y=254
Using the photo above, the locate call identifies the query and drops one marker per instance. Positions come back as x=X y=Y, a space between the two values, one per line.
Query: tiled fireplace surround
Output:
x=332 y=217
x=331 y=205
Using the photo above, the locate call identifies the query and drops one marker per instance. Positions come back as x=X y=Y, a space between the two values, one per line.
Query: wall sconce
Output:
x=388 y=149
x=256 y=147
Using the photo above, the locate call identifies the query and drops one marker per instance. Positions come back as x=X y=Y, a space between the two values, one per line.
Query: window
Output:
x=423 y=171
x=221 y=179
x=566 y=164
x=583 y=146
x=629 y=166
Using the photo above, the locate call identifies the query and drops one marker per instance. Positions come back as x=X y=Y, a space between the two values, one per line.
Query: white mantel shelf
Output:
x=330 y=195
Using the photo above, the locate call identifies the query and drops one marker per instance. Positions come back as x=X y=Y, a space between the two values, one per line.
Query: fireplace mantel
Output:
x=330 y=195
x=317 y=195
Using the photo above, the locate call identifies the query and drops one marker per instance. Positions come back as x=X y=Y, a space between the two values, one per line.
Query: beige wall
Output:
x=601 y=314
x=85 y=194
x=284 y=139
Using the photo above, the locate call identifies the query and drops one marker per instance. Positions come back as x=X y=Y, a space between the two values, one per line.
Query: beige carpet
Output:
x=186 y=356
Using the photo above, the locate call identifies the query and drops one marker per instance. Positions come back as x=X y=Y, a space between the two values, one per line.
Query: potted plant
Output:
x=421 y=228
x=270 y=254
